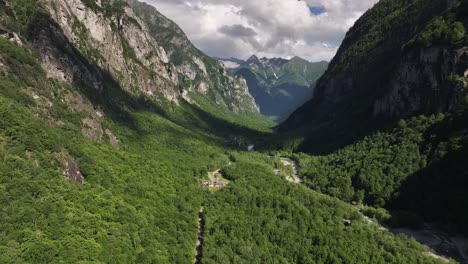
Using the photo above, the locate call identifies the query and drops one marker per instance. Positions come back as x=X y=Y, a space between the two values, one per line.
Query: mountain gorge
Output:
x=388 y=122
x=120 y=142
x=399 y=60
x=279 y=86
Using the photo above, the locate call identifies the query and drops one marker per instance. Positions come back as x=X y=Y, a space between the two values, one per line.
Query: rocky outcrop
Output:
x=59 y=58
x=12 y=36
x=78 y=37
x=113 y=140
x=72 y=171
x=424 y=82
x=92 y=129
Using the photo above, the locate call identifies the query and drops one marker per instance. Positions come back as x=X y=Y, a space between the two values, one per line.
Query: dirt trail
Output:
x=201 y=231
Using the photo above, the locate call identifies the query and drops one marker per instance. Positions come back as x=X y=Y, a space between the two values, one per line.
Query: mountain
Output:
x=109 y=118
x=111 y=124
x=388 y=124
x=147 y=53
x=400 y=59
x=279 y=86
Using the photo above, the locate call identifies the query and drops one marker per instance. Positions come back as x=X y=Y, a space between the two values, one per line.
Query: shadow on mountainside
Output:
x=46 y=36
x=117 y=103
x=438 y=192
x=320 y=129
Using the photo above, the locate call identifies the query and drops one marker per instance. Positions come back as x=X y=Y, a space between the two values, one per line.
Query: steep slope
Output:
x=399 y=60
x=391 y=115
x=147 y=53
x=280 y=86
x=93 y=171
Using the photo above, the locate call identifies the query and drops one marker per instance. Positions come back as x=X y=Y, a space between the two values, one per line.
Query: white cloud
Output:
x=271 y=28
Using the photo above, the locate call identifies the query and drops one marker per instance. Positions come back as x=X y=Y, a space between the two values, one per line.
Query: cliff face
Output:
x=424 y=82
x=400 y=59
x=74 y=37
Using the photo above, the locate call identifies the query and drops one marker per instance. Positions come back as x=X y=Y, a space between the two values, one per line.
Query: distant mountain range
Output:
x=278 y=85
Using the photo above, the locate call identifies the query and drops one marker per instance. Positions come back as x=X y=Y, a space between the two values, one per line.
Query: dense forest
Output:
x=139 y=202
x=389 y=168
x=111 y=175
x=398 y=142
x=260 y=218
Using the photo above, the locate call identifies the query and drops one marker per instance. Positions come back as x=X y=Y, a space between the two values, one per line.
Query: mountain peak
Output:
x=253 y=58
x=297 y=59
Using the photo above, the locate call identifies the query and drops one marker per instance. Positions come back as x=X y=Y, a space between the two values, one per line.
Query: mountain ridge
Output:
x=360 y=91
x=134 y=43
x=279 y=85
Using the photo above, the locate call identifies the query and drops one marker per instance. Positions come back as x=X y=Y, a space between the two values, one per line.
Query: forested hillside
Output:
x=100 y=166
x=418 y=167
x=388 y=125
x=262 y=219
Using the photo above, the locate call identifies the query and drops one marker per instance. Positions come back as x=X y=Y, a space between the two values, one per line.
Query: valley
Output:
x=122 y=142
x=444 y=245
x=279 y=86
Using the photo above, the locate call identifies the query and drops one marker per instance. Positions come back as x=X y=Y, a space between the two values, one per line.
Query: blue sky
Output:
x=317 y=10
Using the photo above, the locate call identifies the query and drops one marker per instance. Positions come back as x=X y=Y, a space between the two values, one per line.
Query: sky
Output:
x=311 y=29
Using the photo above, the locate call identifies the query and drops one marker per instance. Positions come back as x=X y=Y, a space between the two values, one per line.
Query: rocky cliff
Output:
x=400 y=59
x=137 y=46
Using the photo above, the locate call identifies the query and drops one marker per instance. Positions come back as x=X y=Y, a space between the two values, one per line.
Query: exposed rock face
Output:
x=78 y=39
x=12 y=36
x=422 y=83
x=92 y=129
x=59 y=58
x=112 y=139
x=384 y=72
x=72 y=171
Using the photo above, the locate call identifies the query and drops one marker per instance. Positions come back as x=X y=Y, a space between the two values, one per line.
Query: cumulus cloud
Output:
x=312 y=29
x=237 y=31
